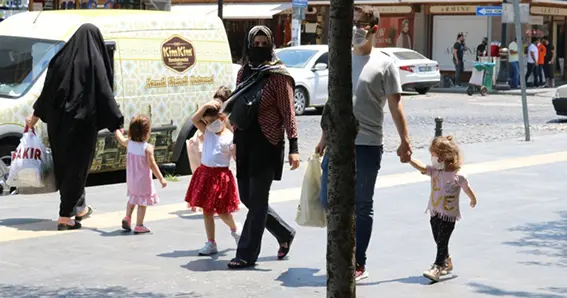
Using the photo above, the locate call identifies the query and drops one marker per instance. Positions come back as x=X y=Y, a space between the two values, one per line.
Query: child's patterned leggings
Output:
x=442 y=230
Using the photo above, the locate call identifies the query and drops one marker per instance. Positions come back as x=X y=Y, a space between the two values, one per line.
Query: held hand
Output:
x=163 y=182
x=473 y=203
x=29 y=122
x=294 y=161
x=404 y=152
x=320 y=148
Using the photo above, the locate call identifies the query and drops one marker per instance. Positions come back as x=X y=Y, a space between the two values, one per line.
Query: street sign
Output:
x=299 y=3
x=489 y=11
x=508 y=13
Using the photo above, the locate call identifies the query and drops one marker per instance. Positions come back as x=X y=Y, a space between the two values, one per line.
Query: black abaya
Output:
x=76 y=102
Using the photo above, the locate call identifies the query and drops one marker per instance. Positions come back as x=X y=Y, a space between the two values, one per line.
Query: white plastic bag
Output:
x=310 y=212
x=28 y=162
x=194 y=149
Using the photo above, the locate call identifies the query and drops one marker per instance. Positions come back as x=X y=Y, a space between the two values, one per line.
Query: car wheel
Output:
x=422 y=90
x=6 y=158
x=299 y=101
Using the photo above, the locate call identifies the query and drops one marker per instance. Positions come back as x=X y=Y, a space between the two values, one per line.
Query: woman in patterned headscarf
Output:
x=259 y=142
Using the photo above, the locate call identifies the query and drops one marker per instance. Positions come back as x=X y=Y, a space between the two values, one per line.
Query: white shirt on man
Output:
x=532 y=49
x=513 y=46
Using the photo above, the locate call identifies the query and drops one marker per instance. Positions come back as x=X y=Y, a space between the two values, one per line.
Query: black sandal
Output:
x=283 y=251
x=66 y=227
x=87 y=215
x=237 y=263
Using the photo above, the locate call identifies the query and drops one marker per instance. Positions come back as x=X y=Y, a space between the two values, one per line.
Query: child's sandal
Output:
x=126 y=225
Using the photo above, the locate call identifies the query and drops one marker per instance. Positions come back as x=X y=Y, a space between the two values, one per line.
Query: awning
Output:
x=235 y=11
x=195 y=9
x=252 y=11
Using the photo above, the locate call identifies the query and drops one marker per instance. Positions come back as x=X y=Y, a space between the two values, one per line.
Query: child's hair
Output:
x=447 y=150
x=140 y=128
x=222 y=94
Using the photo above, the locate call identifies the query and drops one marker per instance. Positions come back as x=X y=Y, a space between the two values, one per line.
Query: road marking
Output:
x=170 y=211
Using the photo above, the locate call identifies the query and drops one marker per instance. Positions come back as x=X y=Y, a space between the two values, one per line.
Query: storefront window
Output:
x=395 y=32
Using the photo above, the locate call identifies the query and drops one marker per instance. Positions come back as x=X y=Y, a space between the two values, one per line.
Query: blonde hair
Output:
x=447 y=150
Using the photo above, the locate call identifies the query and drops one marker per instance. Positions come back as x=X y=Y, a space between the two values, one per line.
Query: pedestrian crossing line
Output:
x=170 y=211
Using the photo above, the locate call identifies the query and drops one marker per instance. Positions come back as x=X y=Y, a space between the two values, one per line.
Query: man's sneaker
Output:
x=360 y=273
x=236 y=234
x=210 y=248
x=448 y=267
x=434 y=273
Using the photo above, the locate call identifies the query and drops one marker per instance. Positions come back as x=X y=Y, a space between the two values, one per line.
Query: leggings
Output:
x=442 y=230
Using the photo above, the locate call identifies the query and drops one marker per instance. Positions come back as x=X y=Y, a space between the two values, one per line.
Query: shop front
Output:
x=553 y=14
x=9 y=8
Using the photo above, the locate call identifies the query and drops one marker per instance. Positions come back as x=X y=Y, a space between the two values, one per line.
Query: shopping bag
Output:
x=194 y=149
x=310 y=212
x=28 y=164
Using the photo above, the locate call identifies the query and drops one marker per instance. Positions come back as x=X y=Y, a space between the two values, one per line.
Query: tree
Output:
x=340 y=128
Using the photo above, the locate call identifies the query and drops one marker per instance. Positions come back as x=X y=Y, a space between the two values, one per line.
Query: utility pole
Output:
x=220 y=6
x=340 y=128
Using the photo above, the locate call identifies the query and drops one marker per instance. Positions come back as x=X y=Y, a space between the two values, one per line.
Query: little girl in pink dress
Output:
x=140 y=164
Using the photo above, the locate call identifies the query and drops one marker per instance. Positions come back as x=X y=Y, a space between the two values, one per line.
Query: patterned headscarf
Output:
x=255 y=31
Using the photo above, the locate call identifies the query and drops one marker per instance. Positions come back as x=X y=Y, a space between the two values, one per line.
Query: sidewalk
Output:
x=463 y=90
x=512 y=245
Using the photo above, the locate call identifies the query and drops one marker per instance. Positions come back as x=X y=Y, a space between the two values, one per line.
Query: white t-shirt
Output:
x=532 y=49
x=513 y=46
x=217 y=149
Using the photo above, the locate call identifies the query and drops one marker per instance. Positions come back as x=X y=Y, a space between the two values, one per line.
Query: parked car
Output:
x=416 y=71
x=308 y=65
x=560 y=101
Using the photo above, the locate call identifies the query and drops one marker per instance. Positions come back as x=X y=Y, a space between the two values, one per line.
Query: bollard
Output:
x=438 y=127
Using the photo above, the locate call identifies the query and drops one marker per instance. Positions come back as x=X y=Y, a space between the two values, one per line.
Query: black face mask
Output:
x=259 y=55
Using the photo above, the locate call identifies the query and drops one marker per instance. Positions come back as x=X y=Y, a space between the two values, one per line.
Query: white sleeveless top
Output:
x=217 y=149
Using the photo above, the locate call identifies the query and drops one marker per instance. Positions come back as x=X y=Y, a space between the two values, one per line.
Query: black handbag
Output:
x=242 y=106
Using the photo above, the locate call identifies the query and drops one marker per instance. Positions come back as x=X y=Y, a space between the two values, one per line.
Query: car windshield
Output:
x=408 y=55
x=22 y=61
x=295 y=58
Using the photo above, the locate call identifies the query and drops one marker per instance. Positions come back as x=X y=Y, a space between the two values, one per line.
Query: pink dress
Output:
x=141 y=190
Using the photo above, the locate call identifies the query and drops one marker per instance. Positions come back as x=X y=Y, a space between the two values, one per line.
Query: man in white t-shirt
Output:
x=514 y=61
x=532 y=61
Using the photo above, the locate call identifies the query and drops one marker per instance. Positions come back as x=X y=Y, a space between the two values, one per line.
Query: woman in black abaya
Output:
x=76 y=102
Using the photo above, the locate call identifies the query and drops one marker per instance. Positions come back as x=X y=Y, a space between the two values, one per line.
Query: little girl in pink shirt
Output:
x=140 y=164
x=443 y=207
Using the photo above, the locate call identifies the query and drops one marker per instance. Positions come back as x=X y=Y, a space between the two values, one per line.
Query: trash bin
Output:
x=481 y=78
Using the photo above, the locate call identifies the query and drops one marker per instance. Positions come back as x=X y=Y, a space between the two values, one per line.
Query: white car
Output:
x=560 y=101
x=416 y=71
x=308 y=65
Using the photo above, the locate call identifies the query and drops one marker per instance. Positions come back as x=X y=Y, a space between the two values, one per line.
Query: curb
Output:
x=464 y=91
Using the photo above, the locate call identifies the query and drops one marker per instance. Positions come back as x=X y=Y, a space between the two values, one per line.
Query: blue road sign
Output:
x=299 y=3
x=489 y=11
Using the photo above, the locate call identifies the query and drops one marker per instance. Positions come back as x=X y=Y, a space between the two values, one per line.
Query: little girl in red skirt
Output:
x=213 y=187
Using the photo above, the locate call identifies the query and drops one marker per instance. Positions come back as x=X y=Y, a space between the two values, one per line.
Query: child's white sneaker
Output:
x=434 y=273
x=236 y=234
x=210 y=248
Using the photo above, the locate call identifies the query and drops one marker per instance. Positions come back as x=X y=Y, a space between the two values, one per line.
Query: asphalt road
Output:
x=469 y=119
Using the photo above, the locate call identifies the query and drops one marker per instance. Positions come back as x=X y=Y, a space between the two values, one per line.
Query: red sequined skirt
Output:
x=214 y=190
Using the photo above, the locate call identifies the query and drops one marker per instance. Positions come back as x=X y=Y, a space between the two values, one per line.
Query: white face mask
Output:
x=215 y=126
x=358 y=37
x=436 y=164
